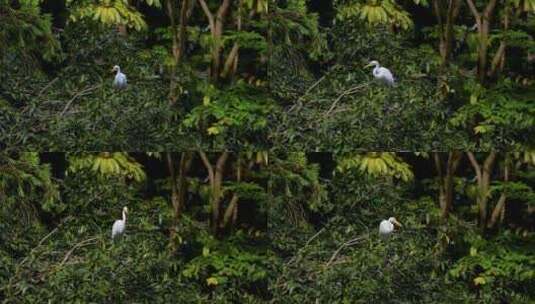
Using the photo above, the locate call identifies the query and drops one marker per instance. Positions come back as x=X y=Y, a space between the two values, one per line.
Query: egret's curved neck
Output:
x=124 y=216
x=376 y=69
x=118 y=70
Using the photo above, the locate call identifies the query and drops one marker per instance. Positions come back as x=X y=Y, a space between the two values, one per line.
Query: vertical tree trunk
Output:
x=499 y=209
x=179 y=38
x=483 y=20
x=482 y=51
x=498 y=61
x=179 y=188
x=215 y=175
x=445 y=27
x=216 y=22
x=446 y=182
x=483 y=175
x=232 y=208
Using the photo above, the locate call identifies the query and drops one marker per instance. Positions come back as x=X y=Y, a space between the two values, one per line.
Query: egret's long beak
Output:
x=397 y=223
x=368 y=65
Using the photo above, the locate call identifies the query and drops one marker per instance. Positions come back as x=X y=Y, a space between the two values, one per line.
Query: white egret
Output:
x=119 y=225
x=381 y=73
x=120 y=79
x=387 y=226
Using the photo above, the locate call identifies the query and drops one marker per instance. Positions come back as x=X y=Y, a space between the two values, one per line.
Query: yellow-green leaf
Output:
x=212 y=281
x=479 y=281
x=213 y=131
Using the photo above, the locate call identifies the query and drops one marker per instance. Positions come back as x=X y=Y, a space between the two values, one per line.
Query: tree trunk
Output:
x=482 y=51
x=483 y=175
x=232 y=208
x=446 y=182
x=499 y=210
x=179 y=38
x=179 y=188
x=216 y=22
x=498 y=61
x=215 y=175
x=483 y=20
x=446 y=32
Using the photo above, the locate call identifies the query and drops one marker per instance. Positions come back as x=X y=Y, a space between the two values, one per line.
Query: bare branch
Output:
x=489 y=161
x=81 y=244
x=489 y=8
x=233 y=205
x=475 y=164
x=500 y=206
x=304 y=246
x=208 y=166
x=475 y=12
x=221 y=161
x=222 y=11
x=233 y=54
x=346 y=244
x=208 y=14
x=438 y=165
x=85 y=91
x=436 y=9
x=345 y=93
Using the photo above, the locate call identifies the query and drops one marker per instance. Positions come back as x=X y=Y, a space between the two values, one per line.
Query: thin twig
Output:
x=314 y=236
x=47 y=86
x=314 y=85
x=348 y=243
x=345 y=93
x=81 y=244
x=18 y=267
x=81 y=93
x=306 y=244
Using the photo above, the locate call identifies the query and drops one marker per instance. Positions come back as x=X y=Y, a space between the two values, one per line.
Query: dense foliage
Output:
x=268 y=228
x=458 y=85
x=196 y=74
x=274 y=151
x=324 y=232
x=56 y=216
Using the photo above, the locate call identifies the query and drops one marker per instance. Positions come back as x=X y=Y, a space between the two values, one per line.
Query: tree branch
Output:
x=222 y=11
x=455 y=158
x=489 y=9
x=208 y=166
x=489 y=161
x=221 y=161
x=208 y=14
x=500 y=206
x=80 y=244
x=474 y=10
x=475 y=165
x=497 y=58
x=230 y=60
x=500 y=53
x=436 y=9
x=230 y=210
x=438 y=164
x=348 y=243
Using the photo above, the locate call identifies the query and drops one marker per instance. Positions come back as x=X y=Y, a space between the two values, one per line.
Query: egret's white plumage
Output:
x=120 y=79
x=381 y=73
x=119 y=225
x=387 y=226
